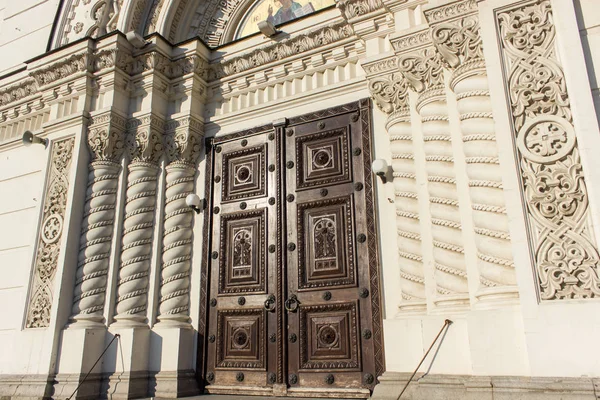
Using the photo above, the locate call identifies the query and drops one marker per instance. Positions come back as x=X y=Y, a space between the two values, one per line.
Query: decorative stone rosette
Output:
x=106 y=142
x=565 y=252
x=145 y=147
x=48 y=247
x=183 y=148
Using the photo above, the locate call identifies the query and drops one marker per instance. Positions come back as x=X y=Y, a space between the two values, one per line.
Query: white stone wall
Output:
x=25 y=28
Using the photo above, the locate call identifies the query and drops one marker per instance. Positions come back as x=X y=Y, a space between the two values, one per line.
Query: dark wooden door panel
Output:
x=294 y=291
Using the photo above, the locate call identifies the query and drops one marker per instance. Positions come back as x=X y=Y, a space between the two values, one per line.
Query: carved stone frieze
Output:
x=48 y=248
x=565 y=252
x=19 y=91
x=286 y=48
x=63 y=69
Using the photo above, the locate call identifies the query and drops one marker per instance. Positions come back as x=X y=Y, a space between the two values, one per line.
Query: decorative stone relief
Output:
x=48 y=248
x=63 y=69
x=389 y=90
x=183 y=148
x=285 y=48
x=566 y=255
x=106 y=142
x=145 y=147
x=90 y=18
x=455 y=35
x=422 y=68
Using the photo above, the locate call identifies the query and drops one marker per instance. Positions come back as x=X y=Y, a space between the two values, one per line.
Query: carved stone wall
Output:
x=49 y=242
x=565 y=252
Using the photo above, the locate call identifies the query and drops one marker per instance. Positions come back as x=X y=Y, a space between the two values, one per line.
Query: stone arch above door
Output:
x=214 y=21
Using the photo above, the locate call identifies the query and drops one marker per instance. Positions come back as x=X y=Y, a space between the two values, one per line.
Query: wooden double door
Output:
x=293 y=295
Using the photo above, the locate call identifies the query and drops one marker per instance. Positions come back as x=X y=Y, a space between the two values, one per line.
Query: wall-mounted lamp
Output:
x=29 y=139
x=381 y=169
x=267 y=28
x=195 y=203
x=135 y=39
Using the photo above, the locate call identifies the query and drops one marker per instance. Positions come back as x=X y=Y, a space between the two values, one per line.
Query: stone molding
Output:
x=50 y=239
x=564 y=249
x=352 y=9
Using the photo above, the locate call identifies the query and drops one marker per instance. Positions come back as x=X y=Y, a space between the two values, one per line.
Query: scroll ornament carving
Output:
x=91 y=19
x=17 y=92
x=423 y=69
x=184 y=145
x=39 y=309
x=390 y=92
x=459 y=43
x=566 y=255
x=145 y=145
x=63 y=69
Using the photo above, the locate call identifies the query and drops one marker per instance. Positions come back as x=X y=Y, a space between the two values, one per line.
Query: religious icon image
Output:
x=278 y=12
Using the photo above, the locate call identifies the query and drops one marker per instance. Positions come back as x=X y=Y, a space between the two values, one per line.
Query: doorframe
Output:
x=364 y=106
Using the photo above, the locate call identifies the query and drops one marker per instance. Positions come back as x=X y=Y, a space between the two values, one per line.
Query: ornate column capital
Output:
x=388 y=87
x=455 y=34
x=420 y=64
x=145 y=142
x=106 y=137
x=183 y=142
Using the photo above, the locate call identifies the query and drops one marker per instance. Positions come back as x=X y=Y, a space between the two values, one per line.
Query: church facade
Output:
x=192 y=206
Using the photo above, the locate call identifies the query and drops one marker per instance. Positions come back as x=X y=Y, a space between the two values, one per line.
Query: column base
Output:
x=172 y=360
x=126 y=385
x=80 y=349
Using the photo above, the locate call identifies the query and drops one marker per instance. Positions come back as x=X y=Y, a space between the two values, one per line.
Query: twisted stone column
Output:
x=423 y=70
x=389 y=91
x=145 y=148
x=459 y=44
x=106 y=143
x=183 y=150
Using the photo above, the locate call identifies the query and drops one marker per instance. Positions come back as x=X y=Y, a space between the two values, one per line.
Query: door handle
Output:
x=291 y=304
x=270 y=303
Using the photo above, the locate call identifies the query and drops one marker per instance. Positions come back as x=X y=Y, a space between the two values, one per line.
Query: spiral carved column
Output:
x=106 y=143
x=389 y=91
x=459 y=43
x=145 y=148
x=183 y=148
x=423 y=70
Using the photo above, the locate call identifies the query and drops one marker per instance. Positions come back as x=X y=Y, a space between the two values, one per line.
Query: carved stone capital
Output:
x=145 y=139
x=422 y=69
x=106 y=137
x=183 y=142
x=390 y=92
x=455 y=34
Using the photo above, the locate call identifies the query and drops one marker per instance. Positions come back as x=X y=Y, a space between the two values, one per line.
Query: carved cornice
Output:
x=183 y=142
x=286 y=48
x=106 y=137
x=411 y=41
x=447 y=12
x=379 y=67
